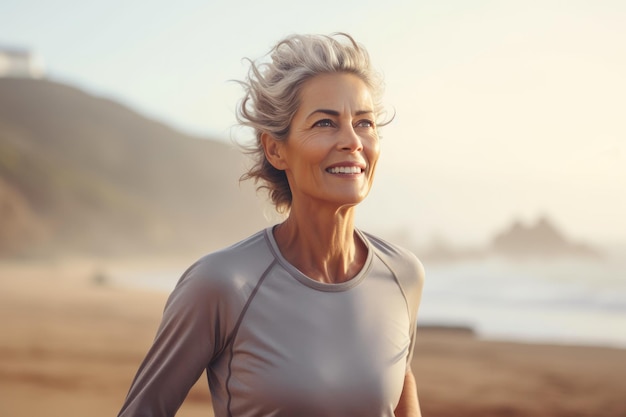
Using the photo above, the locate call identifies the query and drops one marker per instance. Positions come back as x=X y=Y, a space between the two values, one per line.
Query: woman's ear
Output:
x=273 y=151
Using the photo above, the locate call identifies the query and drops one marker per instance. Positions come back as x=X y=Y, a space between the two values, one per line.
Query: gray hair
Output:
x=272 y=96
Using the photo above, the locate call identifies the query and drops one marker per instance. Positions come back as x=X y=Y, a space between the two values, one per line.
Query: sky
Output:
x=504 y=109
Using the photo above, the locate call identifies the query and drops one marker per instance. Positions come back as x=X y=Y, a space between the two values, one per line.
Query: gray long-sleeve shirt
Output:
x=277 y=343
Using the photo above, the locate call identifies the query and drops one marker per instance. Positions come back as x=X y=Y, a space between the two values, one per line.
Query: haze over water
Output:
x=568 y=301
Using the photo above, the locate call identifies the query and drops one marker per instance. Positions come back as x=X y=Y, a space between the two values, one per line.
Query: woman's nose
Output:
x=349 y=140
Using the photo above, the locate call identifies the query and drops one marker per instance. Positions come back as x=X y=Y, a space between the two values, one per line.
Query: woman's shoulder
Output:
x=230 y=268
x=389 y=249
x=216 y=288
x=401 y=261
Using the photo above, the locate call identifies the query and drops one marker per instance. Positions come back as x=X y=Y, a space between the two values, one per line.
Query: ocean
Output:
x=562 y=301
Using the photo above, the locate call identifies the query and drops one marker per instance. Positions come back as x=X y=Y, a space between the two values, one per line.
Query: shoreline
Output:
x=70 y=346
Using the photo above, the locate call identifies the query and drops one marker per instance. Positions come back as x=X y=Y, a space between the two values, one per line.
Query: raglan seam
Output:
x=395 y=277
x=412 y=320
x=231 y=340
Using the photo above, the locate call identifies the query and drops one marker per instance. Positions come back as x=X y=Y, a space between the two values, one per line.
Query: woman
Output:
x=311 y=317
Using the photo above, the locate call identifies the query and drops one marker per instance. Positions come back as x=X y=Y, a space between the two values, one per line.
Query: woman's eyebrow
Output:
x=324 y=111
x=336 y=113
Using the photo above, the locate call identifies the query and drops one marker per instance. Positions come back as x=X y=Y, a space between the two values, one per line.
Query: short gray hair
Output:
x=272 y=94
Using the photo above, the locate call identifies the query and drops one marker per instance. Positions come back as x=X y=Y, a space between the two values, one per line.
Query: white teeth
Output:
x=345 y=170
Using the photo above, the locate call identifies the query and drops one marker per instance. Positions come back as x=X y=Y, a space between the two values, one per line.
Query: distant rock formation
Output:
x=539 y=240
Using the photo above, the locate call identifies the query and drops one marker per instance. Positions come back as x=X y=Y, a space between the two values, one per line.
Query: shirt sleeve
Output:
x=409 y=273
x=414 y=297
x=187 y=340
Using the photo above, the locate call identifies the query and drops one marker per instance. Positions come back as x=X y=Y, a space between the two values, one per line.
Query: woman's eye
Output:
x=365 y=123
x=323 y=123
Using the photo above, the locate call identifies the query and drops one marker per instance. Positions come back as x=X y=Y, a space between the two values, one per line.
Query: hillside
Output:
x=85 y=174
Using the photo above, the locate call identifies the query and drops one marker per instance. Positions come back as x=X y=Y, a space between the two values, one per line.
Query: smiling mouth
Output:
x=345 y=170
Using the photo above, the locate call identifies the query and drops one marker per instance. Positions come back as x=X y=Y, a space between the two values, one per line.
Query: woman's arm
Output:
x=184 y=345
x=409 y=405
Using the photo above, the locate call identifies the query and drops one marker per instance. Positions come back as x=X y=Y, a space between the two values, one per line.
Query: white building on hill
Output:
x=15 y=62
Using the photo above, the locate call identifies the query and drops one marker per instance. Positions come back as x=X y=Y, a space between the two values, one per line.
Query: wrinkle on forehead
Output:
x=335 y=95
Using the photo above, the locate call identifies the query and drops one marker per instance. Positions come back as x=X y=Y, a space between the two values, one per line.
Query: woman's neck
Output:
x=322 y=245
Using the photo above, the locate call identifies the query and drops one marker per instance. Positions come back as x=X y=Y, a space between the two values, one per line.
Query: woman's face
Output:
x=331 y=152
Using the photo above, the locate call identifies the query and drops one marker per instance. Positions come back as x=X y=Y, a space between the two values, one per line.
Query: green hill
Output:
x=85 y=174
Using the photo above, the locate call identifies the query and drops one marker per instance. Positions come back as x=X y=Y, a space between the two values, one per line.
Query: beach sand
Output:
x=70 y=345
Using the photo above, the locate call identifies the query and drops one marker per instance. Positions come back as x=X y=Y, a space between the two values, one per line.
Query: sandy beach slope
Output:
x=70 y=347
